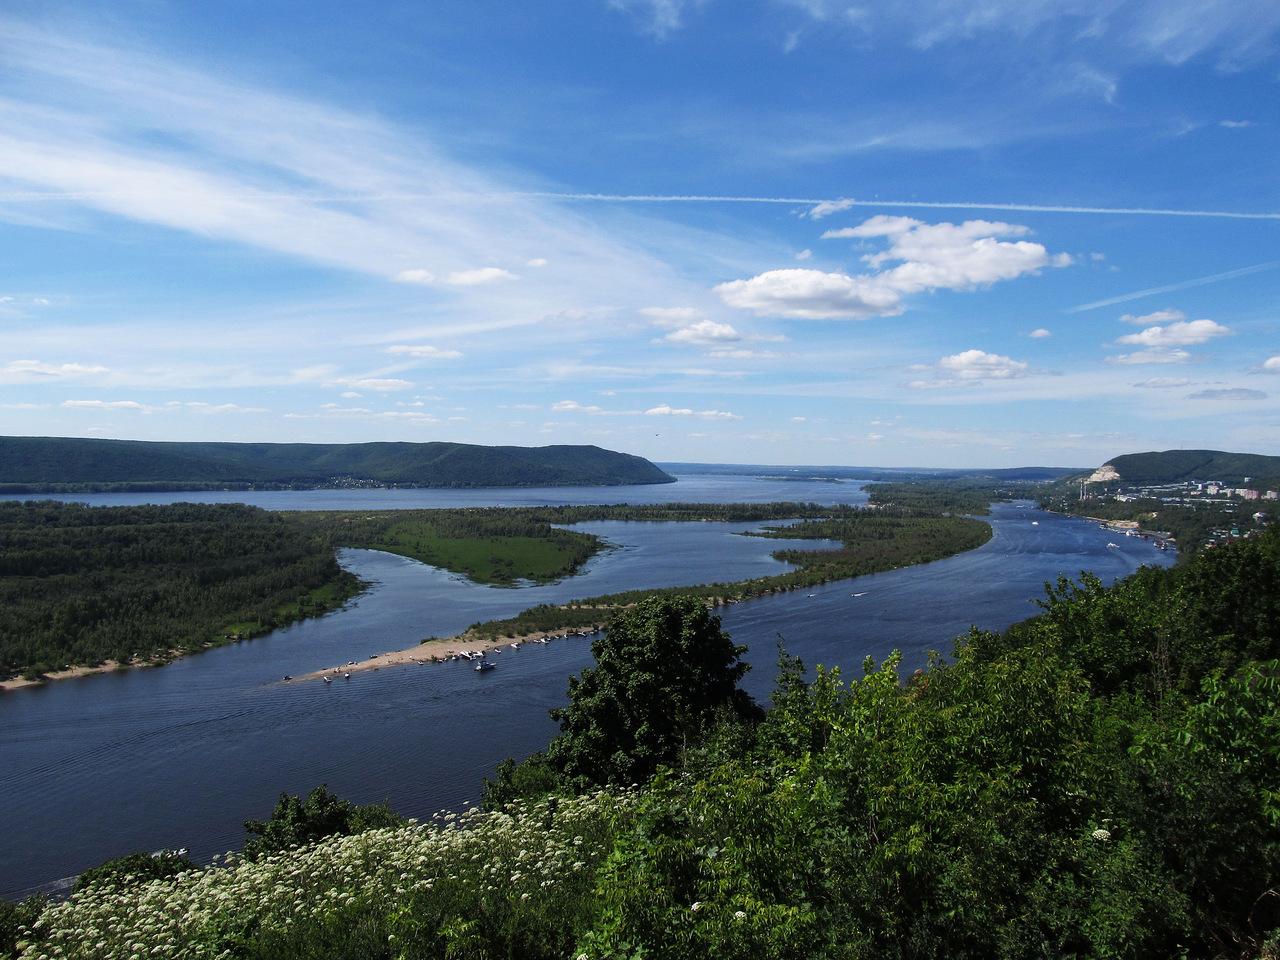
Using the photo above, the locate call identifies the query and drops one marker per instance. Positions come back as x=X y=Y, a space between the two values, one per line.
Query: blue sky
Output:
x=785 y=231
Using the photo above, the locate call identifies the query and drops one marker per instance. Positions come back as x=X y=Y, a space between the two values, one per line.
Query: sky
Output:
x=947 y=234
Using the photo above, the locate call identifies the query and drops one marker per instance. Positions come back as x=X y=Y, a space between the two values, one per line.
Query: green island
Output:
x=1102 y=780
x=91 y=588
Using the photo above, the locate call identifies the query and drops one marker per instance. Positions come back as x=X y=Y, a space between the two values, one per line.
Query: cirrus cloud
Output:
x=1232 y=393
x=423 y=351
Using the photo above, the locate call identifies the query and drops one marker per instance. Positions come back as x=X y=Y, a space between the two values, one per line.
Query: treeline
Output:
x=81 y=585
x=972 y=496
x=1100 y=781
x=871 y=542
x=1192 y=526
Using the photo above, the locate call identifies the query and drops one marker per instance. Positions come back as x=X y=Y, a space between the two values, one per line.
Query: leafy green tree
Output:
x=296 y=822
x=665 y=671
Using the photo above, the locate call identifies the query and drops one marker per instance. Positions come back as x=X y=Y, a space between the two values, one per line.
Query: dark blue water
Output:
x=178 y=756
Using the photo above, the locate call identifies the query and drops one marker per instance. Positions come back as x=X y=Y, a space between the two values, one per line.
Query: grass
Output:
x=502 y=560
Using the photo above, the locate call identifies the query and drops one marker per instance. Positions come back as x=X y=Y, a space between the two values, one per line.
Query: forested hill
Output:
x=45 y=463
x=1171 y=466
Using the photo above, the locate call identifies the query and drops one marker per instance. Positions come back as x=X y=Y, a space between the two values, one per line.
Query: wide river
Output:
x=179 y=756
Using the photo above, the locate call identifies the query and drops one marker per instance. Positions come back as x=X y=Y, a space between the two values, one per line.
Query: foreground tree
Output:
x=296 y=822
x=665 y=672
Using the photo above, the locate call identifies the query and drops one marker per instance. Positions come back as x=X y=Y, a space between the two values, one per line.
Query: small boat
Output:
x=287 y=677
x=813 y=595
x=863 y=594
x=515 y=646
x=1113 y=546
x=1035 y=523
x=483 y=666
x=346 y=676
x=328 y=679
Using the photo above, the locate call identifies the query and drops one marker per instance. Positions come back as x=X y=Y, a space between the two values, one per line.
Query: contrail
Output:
x=841 y=203
x=1170 y=288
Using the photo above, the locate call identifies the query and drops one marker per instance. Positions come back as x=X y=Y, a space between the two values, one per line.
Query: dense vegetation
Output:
x=1192 y=525
x=1100 y=781
x=1171 y=466
x=81 y=585
x=870 y=541
x=48 y=463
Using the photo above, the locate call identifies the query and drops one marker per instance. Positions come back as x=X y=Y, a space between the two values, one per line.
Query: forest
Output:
x=81 y=585
x=1102 y=780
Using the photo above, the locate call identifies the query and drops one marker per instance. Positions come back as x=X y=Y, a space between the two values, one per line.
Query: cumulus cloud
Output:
x=665 y=410
x=1163 y=383
x=30 y=371
x=1235 y=393
x=810 y=295
x=1040 y=333
x=704 y=333
x=1271 y=364
x=980 y=365
x=1181 y=333
x=423 y=351
x=479 y=276
x=920 y=257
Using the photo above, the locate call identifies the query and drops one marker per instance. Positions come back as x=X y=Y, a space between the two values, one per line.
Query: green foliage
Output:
x=298 y=822
x=664 y=672
x=80 y=585
x=47 y=463
x=16 y=920
x=530 y=779
x=136 y=868
x=1171 y=466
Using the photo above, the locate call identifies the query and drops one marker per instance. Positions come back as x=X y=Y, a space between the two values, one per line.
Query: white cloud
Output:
x=350 y=395
x=1237 y=393
x=1271 y=364
x=573 y=406
x=827 y=207
x=1040 y=333
x=200 y=406
x=1151 y=356
x=1235 y=124
x=980 y=365
x=105 y=405
x=415 y=276
x=376 y=384
x=881 y=225
x=804 y=254
x=1163 y=383
x=665 y=410
x=536 y=262
x=799 y=419
x=810 y=295
x=734 y=353
x=34 y=371
x=423 y=351
x=920 y=257
x=704 y=333
x=1148 y=319
x=480 y=276
x=1181 y=333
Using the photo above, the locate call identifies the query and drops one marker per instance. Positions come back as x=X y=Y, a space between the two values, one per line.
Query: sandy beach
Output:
x=17 y=683
x=441 y=651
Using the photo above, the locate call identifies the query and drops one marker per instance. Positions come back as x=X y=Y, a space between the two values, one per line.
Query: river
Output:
x=178 y=756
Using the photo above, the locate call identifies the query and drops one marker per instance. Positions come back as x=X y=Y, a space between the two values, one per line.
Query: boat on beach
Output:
x=484 y=666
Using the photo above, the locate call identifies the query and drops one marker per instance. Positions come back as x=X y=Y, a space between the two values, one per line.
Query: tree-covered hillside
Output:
x=44 y=463
x=1171 y=466
x=1101 y=781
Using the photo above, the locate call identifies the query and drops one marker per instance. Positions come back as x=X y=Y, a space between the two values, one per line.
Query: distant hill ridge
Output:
x=1172 y=466
x=53 y=462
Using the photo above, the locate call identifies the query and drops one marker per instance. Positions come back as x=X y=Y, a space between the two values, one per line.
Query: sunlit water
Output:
x=179 y=756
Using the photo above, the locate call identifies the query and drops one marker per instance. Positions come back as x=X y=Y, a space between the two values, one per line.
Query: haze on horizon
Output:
x=782 y=231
